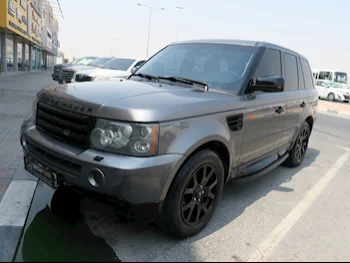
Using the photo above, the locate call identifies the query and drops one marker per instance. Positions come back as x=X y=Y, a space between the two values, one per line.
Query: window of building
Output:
x=10 y=53
x=20 y=63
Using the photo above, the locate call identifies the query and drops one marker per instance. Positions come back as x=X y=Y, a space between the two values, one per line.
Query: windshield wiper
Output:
x=187 y=81
x=146 y=76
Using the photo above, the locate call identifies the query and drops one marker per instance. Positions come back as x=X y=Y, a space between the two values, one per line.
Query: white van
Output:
x=331 y=75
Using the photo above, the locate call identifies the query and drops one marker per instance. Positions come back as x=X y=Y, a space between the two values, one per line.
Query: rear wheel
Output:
x=297 y=154
x=193 y=196
x=331 y=97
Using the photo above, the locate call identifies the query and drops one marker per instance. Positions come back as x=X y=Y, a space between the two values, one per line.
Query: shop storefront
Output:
x=20 y=31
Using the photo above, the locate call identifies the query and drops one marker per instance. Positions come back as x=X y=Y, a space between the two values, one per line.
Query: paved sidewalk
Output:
x=17 y=187
x=16 y=96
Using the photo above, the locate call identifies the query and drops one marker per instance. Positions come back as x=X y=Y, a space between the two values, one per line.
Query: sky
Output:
x=320 y=30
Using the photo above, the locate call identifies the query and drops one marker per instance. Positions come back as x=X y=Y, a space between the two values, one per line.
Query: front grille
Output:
x=67 y=75
x=70 y=127
x=57 y=69
x=82 y=78
x=346 y=97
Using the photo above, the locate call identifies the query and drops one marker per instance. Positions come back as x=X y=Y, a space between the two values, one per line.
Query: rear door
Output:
x=295 y=98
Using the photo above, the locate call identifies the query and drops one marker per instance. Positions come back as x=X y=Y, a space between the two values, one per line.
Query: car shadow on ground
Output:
x=133 y=240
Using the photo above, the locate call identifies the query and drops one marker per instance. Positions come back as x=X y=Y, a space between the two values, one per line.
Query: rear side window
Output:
x=270 y=64
x=301 y=77
x=291 y=81
x=309 y=84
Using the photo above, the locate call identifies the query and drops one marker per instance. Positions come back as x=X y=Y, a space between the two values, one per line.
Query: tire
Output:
x=65 y=203
x=331 y=97
x=297 y=154
x=175 y=217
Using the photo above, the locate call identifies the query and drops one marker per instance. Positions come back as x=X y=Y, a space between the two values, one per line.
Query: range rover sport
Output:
x=166 y=140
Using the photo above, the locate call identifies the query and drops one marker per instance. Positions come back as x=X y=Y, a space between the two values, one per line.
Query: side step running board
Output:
x=266 y=170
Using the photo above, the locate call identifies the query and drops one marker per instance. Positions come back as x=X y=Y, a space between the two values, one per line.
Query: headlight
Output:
x=125 y=138
x=101 y=78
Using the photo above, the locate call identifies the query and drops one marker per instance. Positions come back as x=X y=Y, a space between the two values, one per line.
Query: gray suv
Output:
x=163 y=143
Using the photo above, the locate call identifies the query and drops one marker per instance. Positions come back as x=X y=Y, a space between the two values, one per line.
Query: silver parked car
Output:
x=165 y=141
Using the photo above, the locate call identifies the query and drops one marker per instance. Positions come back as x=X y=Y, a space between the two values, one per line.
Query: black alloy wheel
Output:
x=199 y=195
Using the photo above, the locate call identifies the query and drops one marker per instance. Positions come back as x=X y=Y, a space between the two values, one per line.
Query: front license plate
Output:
x=40 y=171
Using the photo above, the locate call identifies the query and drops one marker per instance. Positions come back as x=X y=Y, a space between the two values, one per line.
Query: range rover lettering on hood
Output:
x=65 y=105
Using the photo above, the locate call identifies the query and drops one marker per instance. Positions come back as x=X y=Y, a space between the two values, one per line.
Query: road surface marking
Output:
x=15 y=203
x=277 y=235
x=342 y=147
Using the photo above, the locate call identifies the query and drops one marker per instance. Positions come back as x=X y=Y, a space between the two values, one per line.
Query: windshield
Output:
x=220 y=66
x=335 y=85
x=341 y=77
x=119 y=64
x=99 y=62
x=85 y=61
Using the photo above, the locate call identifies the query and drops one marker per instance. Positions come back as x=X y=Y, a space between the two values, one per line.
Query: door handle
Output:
x=279 y=110
x=303 y=105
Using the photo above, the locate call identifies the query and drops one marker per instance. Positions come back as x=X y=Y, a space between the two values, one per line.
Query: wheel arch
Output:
x=214 y=143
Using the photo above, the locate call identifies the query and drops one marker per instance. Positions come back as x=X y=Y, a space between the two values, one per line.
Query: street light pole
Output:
x=149 y=24
x=111 y=43
x=178 y=21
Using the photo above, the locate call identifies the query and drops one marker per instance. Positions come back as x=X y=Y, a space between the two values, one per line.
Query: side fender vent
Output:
x=235 y=123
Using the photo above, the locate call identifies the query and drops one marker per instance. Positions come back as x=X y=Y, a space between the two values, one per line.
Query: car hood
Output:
x=76 y=67
x=100 y=72
x=65 y=65
x=135 y=101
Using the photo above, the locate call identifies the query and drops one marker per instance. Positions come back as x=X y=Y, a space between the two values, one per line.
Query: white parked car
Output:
x=115 y=68
x=332 y=91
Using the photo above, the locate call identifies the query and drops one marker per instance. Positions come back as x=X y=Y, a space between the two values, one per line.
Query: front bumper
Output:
x=55 y=76
x=135 y=181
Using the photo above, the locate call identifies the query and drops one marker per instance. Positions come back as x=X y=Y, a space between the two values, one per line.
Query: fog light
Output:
x=97 y=178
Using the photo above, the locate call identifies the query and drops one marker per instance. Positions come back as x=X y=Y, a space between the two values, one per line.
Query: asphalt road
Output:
x=300 y=214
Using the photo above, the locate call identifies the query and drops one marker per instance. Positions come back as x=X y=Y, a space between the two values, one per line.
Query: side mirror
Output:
x=134 y=69
x=269 y=84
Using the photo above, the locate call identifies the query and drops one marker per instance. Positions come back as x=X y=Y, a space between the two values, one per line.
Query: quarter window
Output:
x=309 y=84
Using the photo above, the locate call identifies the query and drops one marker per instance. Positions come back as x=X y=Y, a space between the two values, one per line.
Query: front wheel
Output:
x=297 y=154
x=331 y=97
x=193 y=196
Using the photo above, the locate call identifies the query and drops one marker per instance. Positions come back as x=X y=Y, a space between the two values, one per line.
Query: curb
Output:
x=335 y=112
x=14 y=208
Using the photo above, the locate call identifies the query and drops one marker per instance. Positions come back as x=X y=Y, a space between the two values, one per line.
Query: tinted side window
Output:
x=270 y=64
x=309 y=84
x=301 y=77
x=291 y=72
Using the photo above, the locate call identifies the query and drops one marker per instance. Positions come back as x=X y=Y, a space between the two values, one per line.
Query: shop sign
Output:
x=24 y=4
x=12 y=8
x=19 y=15
x=17 y=28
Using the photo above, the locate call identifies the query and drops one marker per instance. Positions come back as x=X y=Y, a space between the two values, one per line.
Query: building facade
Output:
x=28 y=35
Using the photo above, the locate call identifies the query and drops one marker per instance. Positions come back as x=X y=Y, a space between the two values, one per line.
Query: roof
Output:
x=236 y=42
